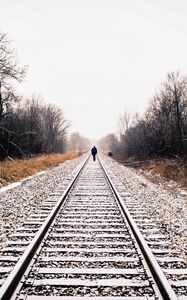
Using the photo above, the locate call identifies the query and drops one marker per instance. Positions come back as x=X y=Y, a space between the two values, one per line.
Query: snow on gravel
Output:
x=169 y=210
x=20 y=199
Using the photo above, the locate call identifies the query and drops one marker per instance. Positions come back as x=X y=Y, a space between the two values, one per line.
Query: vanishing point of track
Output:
x=84 y=243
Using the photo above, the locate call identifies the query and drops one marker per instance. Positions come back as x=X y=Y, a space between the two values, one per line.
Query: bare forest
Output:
x=27 y=126
x=161 y=131
x=77 y=142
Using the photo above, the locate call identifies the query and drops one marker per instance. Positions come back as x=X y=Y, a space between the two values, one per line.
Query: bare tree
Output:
x=33 y=127
x=176 y=90
x=124 y=122
x=55 y=128
x=78 y=142
x=162 y=130
x=109 y=143
x=9 y=71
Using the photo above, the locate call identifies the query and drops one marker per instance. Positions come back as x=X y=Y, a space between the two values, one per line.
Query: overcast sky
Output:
x=97 y=58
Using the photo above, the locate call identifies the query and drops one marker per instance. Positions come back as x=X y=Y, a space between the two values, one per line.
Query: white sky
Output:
x=97 y=58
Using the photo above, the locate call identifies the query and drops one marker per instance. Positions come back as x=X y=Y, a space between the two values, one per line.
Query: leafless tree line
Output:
x=27 y=126
x=78 y=142
x=109 y=143
x=162 y=130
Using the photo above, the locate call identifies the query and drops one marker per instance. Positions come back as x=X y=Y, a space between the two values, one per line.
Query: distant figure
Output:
x=94 y=152
x=110 y=154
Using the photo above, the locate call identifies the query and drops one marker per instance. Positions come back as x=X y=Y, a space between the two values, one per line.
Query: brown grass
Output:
x=159 y=169
x=170 y=169
x=11 y=171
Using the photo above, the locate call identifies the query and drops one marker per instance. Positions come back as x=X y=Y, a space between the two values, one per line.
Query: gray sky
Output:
x=97 y=58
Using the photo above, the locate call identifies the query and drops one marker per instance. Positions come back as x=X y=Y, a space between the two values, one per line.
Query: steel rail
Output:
x=162 y=283
x=12 y=281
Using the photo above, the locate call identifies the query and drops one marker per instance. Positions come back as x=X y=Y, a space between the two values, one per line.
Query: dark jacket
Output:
x=94 y=150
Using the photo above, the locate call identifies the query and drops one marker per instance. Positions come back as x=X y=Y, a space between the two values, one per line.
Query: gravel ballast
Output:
x=168 y=209
x=19 y=200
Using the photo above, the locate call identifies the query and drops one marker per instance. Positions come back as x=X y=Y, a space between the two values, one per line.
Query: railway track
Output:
x=85 y=242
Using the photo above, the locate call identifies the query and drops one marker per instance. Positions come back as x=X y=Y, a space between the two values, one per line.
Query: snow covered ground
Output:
x=168 y=208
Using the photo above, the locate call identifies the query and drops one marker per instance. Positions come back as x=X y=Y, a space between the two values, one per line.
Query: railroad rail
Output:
x=86 y=242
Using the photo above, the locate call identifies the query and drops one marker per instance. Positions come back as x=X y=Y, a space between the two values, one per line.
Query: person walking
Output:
x=94 y=152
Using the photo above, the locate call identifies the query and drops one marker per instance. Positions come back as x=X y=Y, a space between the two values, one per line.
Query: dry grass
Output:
x=11 y=171
x=159 y=169
x=170 y=169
